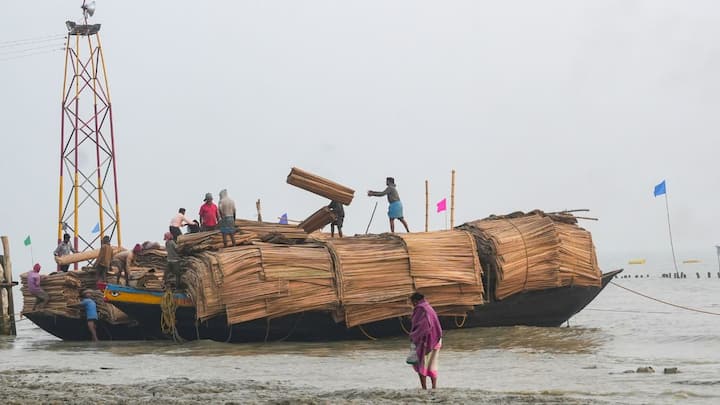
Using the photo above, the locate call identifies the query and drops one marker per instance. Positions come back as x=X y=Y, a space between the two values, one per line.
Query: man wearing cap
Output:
x=226 y=206
x=33 y=280
x=209 y=215
x=395 y=209
x=64 y=248
x=179 y=220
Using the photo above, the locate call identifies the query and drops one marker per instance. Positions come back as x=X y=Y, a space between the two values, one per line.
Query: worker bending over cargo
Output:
x=177 y=221
x=90 y=313
x=64 y=248
x=395 y=209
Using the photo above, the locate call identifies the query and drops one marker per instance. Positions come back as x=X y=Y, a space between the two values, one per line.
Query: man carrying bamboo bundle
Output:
x=395 y=209
x=337 y=208
x=226 y=206
x=104 y=259
x=209 y=215
x=33 y=281
x=64 y=248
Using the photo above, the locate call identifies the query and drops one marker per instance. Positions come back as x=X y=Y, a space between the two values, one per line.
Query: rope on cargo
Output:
x=297 y=321
x=460 y=324
x=527 y=258
x=365 y=333
x=402 y=325
x=665 y=302
x=168 y=306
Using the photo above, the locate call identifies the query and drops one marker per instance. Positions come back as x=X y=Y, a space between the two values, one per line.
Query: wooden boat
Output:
x=72 y=328
x=550 y=308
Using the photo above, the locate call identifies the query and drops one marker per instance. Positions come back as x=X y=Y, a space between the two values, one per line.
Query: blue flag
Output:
x=659 y=189
x=283 y=219
x=96 y=229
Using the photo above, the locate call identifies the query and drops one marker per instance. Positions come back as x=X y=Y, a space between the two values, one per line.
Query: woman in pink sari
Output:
x=426 y=335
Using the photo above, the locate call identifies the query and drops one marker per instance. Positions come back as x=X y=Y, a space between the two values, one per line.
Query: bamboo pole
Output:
x=427 y=204
x=8 y=285
x=257 y=207
x=452 y=201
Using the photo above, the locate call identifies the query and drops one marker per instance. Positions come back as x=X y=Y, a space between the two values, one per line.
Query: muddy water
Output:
x=592 y=361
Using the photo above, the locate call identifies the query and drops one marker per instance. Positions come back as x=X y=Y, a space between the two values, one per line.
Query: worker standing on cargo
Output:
x=173 y=258
x=102 y=263
x=426 y=335
x=395 y=209
x=337 y=208
x=179 y=220
x=226 y=206
x=33 y=281
x=64 y=248
x=90 y=313
x=209 y=215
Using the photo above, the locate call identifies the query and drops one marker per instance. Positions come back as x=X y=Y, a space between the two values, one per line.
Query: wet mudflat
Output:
x=595 y=361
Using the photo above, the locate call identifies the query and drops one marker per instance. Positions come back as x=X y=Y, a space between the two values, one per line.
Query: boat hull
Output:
x=73 y=329
x=550 y=307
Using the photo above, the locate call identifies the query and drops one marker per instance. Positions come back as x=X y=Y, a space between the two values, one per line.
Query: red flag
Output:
x=442 y=205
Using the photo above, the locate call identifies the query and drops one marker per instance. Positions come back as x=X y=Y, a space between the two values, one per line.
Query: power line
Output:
x=31 y=54
x=4 y=44
x=18 y=51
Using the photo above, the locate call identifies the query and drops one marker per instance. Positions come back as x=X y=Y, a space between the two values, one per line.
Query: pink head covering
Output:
x=137 y=249
x=168 y=236
x=36 y=267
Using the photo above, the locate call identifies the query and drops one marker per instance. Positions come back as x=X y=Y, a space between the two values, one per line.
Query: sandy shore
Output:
x=33 y=386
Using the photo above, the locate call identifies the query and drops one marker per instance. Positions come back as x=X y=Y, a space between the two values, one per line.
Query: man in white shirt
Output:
x=179 y=220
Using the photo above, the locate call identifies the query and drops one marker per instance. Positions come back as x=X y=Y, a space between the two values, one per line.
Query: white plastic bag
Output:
x=412 y=357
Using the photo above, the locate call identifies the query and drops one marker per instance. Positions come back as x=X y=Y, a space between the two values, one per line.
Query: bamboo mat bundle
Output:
x=266 y=229
x=320 y=186
x=82 y=256
x=203 y=285
x=295 y=262
x=63 y=290
x=577 y=261
x=155 y=258
x=302 y=296
x=318 y=220
x=442 y=258
x=359 y=314
x=453 y=295
x=197 y=242
x=372 y=271
x=527 y=252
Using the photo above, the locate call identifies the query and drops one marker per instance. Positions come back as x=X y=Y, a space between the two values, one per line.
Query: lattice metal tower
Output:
x=88 y=206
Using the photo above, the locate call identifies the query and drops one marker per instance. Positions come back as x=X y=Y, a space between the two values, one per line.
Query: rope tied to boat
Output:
x=365 y=333
x=168 y=307
x=665 y=302
x=460 y=324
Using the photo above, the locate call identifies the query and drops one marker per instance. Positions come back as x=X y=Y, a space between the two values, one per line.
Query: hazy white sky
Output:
x=552 y=105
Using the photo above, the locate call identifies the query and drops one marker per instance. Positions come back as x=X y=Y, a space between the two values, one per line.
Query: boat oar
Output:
x=371 y=218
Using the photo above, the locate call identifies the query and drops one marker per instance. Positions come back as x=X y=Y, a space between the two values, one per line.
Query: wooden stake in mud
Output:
x=452 y=201
x=427 y=204
x=7 y=322
x=257 y=207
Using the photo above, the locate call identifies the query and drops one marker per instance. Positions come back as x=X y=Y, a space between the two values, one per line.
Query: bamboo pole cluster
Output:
x=266 y=230
x=535 y=251
x=82 y=256
x=197 y=242
x=320 y=186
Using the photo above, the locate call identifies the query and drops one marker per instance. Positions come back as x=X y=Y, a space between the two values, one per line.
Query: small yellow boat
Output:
x=691 y=261
x=636 y=261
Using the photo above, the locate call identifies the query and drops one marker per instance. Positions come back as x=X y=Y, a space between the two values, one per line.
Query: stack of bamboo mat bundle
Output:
x=320 y=186
x=154 y=258
x=578 y=260
x=203 y=279
x=63 y=290
x=266 y=230
x=197 y=242
x=268 y=280
x=318 y=220
x=446 y=269
x=534 y=252
x=374 y=280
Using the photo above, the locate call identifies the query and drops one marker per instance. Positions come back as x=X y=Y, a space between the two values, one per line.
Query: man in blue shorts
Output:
x=395 y=209
x=90 y=313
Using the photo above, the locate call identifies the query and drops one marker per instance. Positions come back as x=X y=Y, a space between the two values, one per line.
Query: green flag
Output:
x=27 y=241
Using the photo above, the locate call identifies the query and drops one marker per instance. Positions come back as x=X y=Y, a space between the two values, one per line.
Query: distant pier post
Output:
x=7 y=307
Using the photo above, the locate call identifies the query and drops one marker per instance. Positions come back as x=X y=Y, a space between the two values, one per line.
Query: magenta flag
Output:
x=442 y=205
